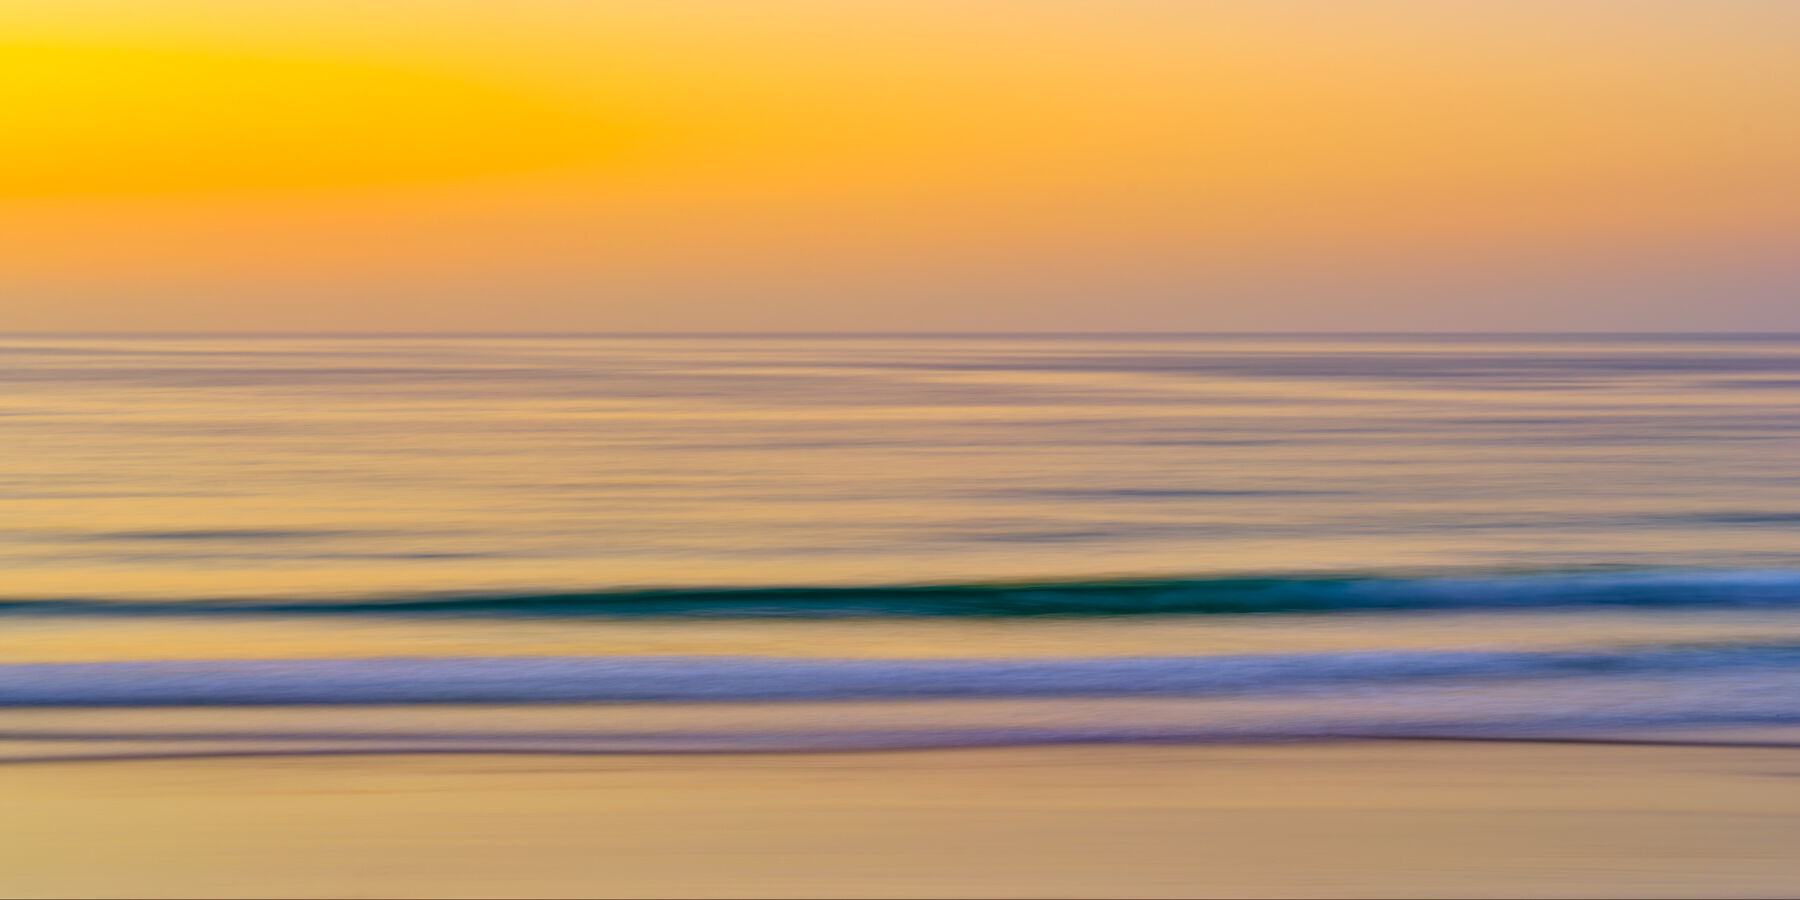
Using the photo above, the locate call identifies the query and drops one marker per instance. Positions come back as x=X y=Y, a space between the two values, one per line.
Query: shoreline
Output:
x=1704 y=814
x=575 y=752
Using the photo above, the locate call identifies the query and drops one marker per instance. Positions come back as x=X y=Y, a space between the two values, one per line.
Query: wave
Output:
x=723 y=679
x=300 y=709
x=1223 y=595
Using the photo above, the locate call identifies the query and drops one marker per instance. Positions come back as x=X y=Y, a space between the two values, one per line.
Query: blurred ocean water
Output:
x=1364 y=514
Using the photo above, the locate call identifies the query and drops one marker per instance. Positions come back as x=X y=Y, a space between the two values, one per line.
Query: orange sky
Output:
x=552 y=165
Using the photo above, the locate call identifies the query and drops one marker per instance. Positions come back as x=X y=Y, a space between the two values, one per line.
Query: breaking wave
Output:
x=1223 y=595
x=727 y=679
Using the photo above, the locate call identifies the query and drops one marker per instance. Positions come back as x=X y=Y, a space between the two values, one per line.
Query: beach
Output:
x=1649 y=816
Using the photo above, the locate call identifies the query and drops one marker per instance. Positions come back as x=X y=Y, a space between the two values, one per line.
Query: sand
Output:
x=1353 y=819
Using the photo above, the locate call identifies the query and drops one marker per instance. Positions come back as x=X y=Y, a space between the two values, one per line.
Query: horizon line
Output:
x=890 y=334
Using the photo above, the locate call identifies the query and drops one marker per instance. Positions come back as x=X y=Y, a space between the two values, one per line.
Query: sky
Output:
x=899 y=165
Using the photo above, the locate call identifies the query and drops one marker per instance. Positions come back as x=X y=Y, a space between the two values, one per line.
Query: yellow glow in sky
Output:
x=122 y=120
x=927 y=165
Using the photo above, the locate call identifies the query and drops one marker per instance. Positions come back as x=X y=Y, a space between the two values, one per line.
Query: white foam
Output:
x=559 y=679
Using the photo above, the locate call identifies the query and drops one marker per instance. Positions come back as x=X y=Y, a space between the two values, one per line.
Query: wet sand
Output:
x=1351 y=819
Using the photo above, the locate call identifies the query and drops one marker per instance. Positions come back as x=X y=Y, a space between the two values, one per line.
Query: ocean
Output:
x=229 y=545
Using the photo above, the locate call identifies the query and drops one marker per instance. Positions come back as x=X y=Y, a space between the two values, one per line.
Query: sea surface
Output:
x=225 y=545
